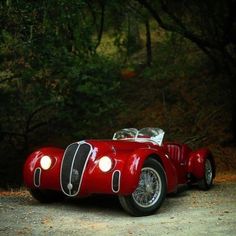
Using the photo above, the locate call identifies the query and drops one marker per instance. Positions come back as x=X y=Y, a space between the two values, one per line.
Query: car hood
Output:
x=114 y=146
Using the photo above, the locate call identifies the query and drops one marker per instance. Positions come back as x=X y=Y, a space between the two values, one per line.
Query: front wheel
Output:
x=150 y=193
x=207 y=180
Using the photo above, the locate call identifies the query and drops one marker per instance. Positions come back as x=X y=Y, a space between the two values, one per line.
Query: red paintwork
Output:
x=197 y=160
x=178 y=161
x=51 y=178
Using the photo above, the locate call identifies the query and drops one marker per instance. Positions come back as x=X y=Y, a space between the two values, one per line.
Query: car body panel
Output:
x=49 y=179
x=197 y=161
x=127 y=156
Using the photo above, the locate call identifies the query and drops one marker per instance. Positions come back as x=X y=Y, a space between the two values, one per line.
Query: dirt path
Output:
x=191 y=212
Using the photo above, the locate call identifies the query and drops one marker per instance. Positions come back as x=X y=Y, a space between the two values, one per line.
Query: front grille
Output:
x=73 y=166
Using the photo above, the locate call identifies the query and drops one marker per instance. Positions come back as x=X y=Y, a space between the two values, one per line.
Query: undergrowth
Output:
x=182 y=94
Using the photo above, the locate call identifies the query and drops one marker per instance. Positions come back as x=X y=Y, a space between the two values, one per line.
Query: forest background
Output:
x=78 y=69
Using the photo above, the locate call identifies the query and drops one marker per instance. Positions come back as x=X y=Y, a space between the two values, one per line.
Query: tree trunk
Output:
x=148 y=43
x=101 y=26
x=133 y=35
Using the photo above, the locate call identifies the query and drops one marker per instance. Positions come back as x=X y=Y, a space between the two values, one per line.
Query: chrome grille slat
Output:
x=73 y=166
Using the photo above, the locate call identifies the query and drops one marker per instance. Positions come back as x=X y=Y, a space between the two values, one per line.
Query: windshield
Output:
x=129 y=133
x=146 y=134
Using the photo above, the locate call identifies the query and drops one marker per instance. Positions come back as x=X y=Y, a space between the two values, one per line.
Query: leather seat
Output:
x=175 y=152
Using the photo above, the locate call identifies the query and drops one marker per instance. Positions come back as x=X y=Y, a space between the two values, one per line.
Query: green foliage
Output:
x=174 y=57
x=93 y=96
x=61 y=79
x=53 y=85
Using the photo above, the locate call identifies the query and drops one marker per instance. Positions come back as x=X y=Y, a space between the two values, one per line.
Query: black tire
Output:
x=46 y=196
x=150 y=193
x=207 y=181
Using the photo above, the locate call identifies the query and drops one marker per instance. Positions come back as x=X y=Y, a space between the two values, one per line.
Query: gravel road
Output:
x=191 y=212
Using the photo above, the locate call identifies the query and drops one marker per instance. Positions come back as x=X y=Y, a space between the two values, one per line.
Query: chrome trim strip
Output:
x=62 y=166
x=71 y=168
x=85 y=164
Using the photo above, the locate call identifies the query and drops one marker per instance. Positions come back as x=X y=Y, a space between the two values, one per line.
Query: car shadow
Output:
x=110 y=205
x=95 y=201
x=105 y=204
x=182 y=191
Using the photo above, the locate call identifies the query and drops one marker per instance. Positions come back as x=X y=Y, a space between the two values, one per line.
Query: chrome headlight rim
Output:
x=105 y=164
x=45 y=162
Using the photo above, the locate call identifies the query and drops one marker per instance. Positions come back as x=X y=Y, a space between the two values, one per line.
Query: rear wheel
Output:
x=207 y=180
x=150 y=193
x=46 y=196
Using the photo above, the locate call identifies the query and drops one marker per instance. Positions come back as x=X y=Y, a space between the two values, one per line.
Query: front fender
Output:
x=132 y=170
x=196 y=163
x=47 y=179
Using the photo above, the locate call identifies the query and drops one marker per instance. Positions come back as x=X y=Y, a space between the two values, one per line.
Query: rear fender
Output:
x=132 y=170
x=196 y=163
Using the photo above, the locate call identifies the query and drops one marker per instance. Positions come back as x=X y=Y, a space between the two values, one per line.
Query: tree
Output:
x=50 y=74
x=210 y=24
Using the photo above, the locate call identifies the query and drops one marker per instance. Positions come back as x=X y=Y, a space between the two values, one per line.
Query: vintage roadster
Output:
x=136 y=165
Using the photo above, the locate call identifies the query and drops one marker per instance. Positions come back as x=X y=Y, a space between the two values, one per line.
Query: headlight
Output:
x=45 y=162
x=105 y=164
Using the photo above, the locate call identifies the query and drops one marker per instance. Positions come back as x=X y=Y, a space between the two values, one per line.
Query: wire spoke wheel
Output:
x=206 y=182
x=149 y=188
x=150 y=192
x=208 y=172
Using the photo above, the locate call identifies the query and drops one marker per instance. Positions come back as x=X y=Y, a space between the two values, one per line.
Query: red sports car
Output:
x=136 y=165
